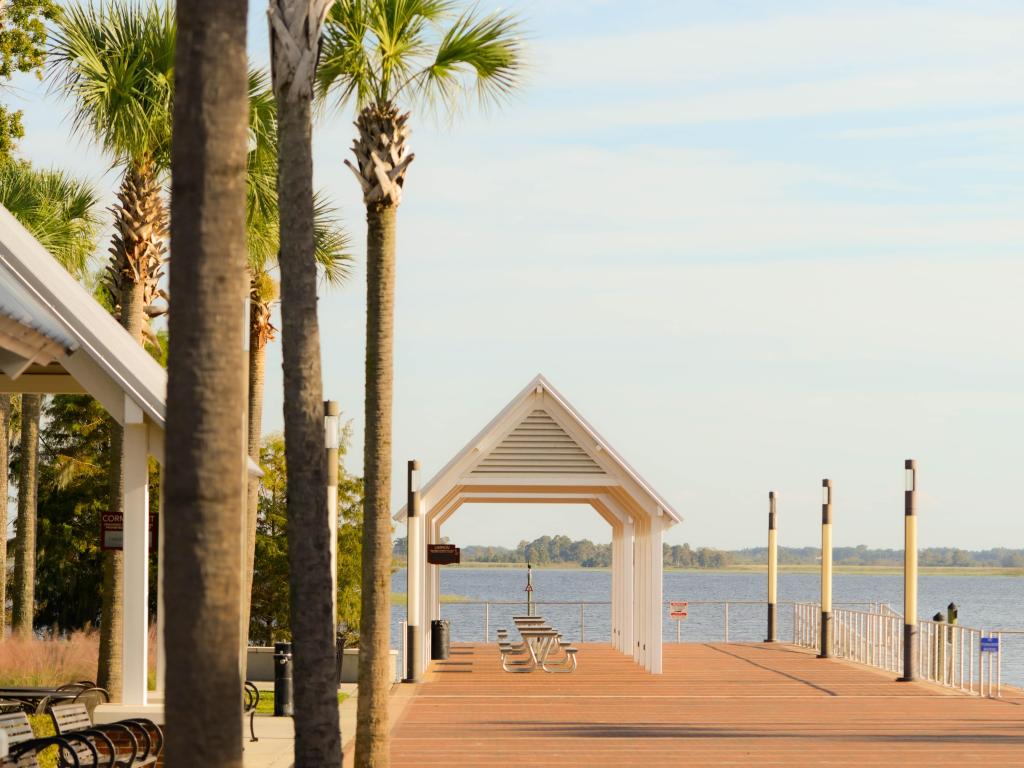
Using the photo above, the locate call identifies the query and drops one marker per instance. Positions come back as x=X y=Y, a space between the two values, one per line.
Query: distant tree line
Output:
x=551 y=550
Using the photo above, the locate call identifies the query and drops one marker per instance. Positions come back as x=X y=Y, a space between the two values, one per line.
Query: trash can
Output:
x=283 y=704
x=440 y=639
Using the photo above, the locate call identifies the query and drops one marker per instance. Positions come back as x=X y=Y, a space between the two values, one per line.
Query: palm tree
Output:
x=5 y=437
x=262 y=219
x=60 y=212
x=295 y=27
x=379 y=55
x=116 y=64
x=204 y=481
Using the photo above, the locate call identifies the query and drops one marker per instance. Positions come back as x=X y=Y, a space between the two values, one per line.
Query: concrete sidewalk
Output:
x=276 y=745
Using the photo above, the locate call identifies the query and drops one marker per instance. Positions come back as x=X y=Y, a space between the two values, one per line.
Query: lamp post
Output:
x=529 y=590
x=773 y=568
x=826 y=569
x=332 y=442
x=910 y=659
x=413 y=573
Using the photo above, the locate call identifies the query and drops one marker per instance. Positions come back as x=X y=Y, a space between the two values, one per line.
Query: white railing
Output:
x=868 y=637
x=806 y=624
x=952 y=656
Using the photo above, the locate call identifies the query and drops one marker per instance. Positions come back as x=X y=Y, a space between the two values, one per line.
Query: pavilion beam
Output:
x=135 y=637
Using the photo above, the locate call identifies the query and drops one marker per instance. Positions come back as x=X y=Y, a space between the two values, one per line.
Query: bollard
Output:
x=283 y=702
x=939 y=650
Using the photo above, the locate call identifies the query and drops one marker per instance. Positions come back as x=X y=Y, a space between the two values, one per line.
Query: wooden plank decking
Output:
x=716 y=704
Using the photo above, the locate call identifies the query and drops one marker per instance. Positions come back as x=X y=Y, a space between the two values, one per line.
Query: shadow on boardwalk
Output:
x=716 y=704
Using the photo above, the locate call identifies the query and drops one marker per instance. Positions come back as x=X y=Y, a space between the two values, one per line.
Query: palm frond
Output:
x=115 y=63
x=59 y=210
x=333 y=246
x=481 y=54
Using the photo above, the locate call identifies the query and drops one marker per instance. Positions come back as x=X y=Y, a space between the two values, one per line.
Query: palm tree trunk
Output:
x=111 y=652
x=5 y=434
x=205 y=478
x=257 y=376
x=25 y=536
x=317 y=729
x=375 y=626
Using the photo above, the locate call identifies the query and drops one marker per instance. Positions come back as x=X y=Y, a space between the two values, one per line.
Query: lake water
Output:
x=985 y=602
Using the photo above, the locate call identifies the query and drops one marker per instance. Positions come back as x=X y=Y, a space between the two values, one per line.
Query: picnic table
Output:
x=538 y=643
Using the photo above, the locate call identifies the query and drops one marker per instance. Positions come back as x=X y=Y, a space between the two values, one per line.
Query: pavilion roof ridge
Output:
x=541 y=384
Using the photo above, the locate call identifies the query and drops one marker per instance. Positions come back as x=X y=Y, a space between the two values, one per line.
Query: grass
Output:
x=53 y=661
x=266 y=705
x=399 y=598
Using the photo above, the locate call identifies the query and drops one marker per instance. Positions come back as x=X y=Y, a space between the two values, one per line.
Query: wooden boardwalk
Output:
x=716 y=704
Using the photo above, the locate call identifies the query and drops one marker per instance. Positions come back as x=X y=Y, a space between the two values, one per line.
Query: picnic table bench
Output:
x=538 y=643
x=36 y=700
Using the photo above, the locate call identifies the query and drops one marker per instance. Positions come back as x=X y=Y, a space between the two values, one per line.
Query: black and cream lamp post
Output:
x=773 y=568
x=826 y=569
x=910 y=659
x=414 y=574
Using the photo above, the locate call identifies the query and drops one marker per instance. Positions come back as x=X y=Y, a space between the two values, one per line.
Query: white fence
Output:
x=948 y=654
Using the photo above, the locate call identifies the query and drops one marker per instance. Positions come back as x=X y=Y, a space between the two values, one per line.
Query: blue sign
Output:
x=990 y=645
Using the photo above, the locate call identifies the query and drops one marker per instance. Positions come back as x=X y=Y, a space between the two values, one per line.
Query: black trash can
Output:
x=440 y=639
x=283 y=703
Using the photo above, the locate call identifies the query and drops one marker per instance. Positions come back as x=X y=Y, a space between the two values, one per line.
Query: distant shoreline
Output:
x=864 y=570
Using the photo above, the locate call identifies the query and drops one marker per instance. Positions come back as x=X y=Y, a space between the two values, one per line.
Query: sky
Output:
x=756 y=244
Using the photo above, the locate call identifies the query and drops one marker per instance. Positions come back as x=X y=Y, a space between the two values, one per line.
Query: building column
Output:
x=773 y=570
x=135 y=636
x=628 y=619
x=656 y=566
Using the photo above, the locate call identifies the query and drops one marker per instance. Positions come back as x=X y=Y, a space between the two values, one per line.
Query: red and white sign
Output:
x=677 y=610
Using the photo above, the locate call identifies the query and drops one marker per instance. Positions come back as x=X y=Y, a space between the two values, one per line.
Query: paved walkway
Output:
x=720 y=704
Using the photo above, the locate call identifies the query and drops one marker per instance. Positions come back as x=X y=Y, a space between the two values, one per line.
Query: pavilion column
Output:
x=627 y=619
x=656 y=598
x=642 y=592
x=135 y=636
x=161 y=658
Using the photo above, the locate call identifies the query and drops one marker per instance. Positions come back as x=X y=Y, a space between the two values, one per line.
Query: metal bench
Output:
x=250 y=703
x=24 y=747
x=130 y=742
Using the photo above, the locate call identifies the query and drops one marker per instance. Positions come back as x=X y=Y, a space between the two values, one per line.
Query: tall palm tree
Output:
x=5 y=437
x=60 y=212
x=205 y=474
x=381 y=55
x=295 y=30
x=262 y=220
x=116 y=64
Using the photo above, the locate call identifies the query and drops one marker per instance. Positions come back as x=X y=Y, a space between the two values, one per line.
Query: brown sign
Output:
x=443 y=554
x=112 y=531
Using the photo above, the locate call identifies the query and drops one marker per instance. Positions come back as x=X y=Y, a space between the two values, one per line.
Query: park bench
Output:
x=24 y=746
x=250 y=703
x=131 y=742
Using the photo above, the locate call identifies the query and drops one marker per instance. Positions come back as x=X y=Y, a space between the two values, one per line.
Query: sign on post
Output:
x=112 y=531
x=443 y=554
x=990 y=645
x=678 y=610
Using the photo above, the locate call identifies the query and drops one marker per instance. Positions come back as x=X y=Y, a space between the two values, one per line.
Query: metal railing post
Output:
x=581 y=622
x=487 y=622
x=727 y=622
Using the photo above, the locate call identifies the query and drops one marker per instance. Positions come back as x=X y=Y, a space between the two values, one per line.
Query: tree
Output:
x=295 y=27
x=116 y=64
x=378 y=54
x=262 y=227
x=60 y=212
x=205 y=472
x=270 y=609
x=22 y=49
x=5 y=433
